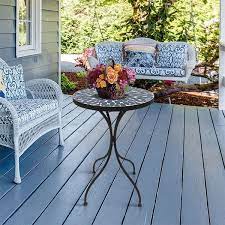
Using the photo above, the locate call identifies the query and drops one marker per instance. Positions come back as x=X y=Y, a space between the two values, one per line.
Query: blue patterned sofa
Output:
x=149 y=58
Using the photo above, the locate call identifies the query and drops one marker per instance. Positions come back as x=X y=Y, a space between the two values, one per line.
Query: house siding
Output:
x=44 y=65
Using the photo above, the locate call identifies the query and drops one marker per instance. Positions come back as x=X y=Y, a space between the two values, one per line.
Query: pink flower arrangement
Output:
x=111 y=81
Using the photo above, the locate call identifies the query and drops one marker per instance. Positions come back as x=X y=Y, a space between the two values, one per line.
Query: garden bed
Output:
x=191 y=99
x=75 y=82
x=164 y=92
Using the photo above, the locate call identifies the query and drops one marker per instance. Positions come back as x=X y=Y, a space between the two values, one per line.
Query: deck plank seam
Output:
x=84 y=123
x=75 y=107
x=182 y=177
x=75 y=117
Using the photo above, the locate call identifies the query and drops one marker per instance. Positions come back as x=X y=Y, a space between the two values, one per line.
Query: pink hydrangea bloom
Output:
x=131 y=74
x=89 y=52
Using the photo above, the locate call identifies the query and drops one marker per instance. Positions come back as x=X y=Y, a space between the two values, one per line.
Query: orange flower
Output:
x=117 y=68
x=112 y=77
x=110 y=70
x=100 y=83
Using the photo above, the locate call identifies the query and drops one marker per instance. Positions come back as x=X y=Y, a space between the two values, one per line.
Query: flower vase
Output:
x=110 y=92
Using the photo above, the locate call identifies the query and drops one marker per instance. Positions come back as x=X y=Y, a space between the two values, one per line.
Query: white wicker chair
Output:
x=24 y=120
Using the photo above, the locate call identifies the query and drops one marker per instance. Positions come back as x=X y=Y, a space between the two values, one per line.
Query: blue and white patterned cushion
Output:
x=30 y=109
x=13 y=81
x=171 y=55
x=109 y=50
x=139 y=59
x=164 y=72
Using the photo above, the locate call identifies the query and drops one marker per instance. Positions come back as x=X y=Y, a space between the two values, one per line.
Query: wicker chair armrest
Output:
x=44 y=89
x=8 y=113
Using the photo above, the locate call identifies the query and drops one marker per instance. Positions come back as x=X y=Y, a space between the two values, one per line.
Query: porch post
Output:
x=59 y=44
x=222 y=57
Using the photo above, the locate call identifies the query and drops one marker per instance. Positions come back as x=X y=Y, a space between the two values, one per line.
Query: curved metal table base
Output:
x=113 y=135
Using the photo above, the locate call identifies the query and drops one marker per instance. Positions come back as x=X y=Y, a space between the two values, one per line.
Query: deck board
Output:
x=179 y=155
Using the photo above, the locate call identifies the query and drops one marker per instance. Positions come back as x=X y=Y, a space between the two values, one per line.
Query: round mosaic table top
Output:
x=135 y=98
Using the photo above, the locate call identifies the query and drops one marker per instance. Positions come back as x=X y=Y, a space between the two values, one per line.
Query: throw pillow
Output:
x=139 y=59
x=14 y=82
x=2 y=86
x=142 y=41
x=140 y=48
x=109 y=50
x=171 y=55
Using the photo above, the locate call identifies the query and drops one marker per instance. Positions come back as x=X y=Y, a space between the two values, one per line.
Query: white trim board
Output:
x=222 y=57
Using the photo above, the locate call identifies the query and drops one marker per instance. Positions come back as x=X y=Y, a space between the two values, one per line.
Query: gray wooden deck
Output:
x=179 y=153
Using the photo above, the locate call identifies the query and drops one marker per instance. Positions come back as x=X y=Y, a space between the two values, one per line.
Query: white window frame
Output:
x=35 y=48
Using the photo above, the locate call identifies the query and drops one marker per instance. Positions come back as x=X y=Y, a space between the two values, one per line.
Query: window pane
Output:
x=24 y=33
x=25 y=10
x=25 y=22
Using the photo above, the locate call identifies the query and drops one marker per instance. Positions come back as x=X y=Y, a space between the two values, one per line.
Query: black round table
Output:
x=135 y=98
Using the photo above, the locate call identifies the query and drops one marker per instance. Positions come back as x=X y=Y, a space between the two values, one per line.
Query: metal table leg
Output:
x=113 y=135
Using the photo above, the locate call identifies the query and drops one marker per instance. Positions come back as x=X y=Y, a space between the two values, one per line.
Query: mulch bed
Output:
x=164 y=93
x=191 y=99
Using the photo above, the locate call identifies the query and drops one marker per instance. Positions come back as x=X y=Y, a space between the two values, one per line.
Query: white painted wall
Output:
x=222 y=57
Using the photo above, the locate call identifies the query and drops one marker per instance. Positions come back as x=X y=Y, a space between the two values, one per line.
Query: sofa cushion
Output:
x=30 y=109
x=139 y=59
x=109 y=50
x=171 y=55
x=164 y=72
x=13 y=81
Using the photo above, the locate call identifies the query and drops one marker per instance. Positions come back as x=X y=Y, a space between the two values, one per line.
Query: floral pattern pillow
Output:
x=140 y=59
x=109 y=50
x=13 y=81
x=171 y=55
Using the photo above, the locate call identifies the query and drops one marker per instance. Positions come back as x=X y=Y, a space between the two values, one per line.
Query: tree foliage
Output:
x=87 y=22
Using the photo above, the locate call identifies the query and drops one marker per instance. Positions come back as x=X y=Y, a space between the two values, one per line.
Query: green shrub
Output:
x=81 y=74
x=66 y=84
